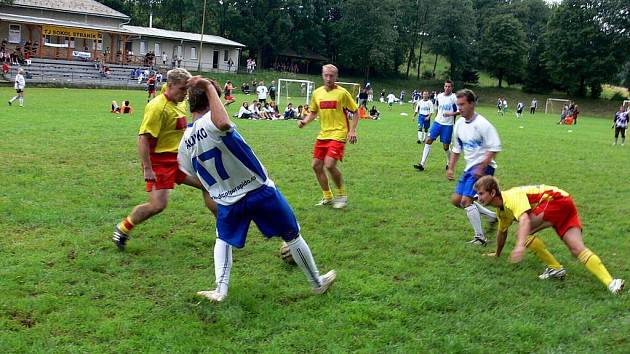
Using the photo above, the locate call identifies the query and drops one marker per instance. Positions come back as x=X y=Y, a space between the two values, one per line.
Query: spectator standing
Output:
x=262 y=91
x=272 y=90
x=533 y=106
x=164 y=58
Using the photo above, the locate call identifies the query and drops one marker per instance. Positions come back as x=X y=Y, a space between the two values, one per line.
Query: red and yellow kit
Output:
x=332 y=107
x=553 y=203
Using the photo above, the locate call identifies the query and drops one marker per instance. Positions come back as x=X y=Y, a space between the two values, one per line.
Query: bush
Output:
x=427 y=75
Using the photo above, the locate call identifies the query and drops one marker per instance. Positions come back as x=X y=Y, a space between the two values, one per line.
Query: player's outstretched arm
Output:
x=501 y=237
x=524 y=229
x=219 y=116
x=309 y=118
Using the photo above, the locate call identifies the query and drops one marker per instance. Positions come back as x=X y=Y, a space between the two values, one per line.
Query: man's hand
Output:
x=517 y=254
x=301 y=123
x=352 y=137
x=196 y=80
x=149 y=175
x=450 y=174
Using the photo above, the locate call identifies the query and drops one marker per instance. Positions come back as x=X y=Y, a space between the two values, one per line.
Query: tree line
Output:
x=574 y=46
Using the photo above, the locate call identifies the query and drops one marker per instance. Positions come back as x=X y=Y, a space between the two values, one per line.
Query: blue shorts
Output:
x=444 y=131
x=467 y=181
x=423 y=122
x=266 y=207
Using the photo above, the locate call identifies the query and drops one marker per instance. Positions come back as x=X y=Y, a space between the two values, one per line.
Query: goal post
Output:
x=352 y=87
x=554 y=105
x=626 y=105
x=294 y=91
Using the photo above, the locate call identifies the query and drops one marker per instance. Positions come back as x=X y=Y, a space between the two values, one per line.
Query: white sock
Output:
x=13 y=99
x=222 y=265
x=475 y=220
x=448 y=156
x=424 y=136
x=21 y=100
x=425 y=154
x=419 y=135
x=486 y=212
x=304 y=259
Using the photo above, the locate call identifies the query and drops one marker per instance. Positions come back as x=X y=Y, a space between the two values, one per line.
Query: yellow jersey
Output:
x=165 y=121
x=332 y=108
x=519 y=200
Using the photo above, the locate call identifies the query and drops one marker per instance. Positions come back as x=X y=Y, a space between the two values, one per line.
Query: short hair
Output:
x=488 y=183
x=177 y=75
x=469 y=94
x=197 y=98
x=331 y=67
x=449 y=81
x=126 y=103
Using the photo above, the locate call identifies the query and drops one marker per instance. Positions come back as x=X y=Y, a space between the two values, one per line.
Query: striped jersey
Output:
x=519 y=200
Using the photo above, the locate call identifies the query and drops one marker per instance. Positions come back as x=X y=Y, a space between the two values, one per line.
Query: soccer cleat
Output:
x=120 y=238
x=419 y=167
x=9 y=103
x=327 y=280
x=418 y=141
x=616 y=286
x=478 y=241
x=212 y=295
x=340 y=202
x=324 y=201
x=553 y=273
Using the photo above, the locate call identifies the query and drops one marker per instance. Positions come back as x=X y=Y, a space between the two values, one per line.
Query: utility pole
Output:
x=203 y=24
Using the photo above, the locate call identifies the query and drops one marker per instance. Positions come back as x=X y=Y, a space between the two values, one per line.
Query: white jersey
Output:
x=475 y=138
x=391 y=98
x=445 y=104
x=222 y=160
x=424 y=107
x=262 y=92
x=19 y=82
x=520 y=106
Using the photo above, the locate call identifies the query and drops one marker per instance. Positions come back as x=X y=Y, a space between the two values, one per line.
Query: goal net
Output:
x=352 y=87
x=297 y=92
x=555 y=105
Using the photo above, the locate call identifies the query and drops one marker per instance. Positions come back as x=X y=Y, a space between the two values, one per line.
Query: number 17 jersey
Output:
x=224 y=163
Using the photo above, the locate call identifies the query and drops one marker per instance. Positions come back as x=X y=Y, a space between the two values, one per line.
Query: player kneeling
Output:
x=214 y=152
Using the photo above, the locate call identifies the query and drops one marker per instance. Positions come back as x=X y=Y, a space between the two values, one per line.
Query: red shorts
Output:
x=331 y=148
x=561 y=213
x=152 y=92
x=229 y=98
x=166 y=171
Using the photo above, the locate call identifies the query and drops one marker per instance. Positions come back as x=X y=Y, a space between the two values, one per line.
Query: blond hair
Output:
x=331 y=67
x=177 y=75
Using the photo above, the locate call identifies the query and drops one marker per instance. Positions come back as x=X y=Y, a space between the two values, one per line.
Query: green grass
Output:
x=407 y=281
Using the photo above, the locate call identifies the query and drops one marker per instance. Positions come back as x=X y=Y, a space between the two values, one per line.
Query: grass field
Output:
x=407 y=280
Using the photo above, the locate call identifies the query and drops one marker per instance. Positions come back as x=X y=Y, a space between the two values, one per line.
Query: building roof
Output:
x=304 y=54
x=52 y=22
x=186 y=36
x=90 y=7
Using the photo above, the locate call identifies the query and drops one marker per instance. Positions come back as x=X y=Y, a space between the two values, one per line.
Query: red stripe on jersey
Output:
x=544 y=196
x=181 y=123
x=327 y=104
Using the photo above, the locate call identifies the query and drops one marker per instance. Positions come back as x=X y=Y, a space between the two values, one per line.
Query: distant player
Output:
x=535 y=208
x=151 y=87
x=424 y=111
x=334 y=106
x=214 y=153
x=115 y=107
x=162 y=128
x=19 y=85
x=391 y=98
x=505 y=105
x=478 y=140
x=442 y=125
x=533 y=106
x=126 y=108
x=620 y=124
x=519 y=109
x=499 y=106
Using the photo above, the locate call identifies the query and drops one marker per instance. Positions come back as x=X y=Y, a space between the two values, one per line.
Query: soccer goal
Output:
x=297 y=92
x=626 y=105
x=352 y=87
x=554 y=105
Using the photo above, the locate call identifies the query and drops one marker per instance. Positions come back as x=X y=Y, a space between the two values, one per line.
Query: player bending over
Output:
x=214 y=152
x=479 y=141
x=538 y=207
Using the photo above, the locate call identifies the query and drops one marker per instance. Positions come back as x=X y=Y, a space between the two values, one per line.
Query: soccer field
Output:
x=407 y=280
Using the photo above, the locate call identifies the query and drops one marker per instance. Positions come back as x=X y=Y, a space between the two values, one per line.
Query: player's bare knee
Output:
x=330 y=164
x=318 y=165
x=465 y=202
x=456 y=200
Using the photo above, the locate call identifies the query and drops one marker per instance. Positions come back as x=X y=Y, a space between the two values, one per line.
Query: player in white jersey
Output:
x=424 y=110
x=479 y=141
x=442 y=125
x=214 y=152
x=19 y=85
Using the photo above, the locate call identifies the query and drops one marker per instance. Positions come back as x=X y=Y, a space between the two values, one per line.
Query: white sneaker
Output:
x=327 y=280
x=478 y=240
x=616 y=286
x=553 y=273
x=340 y=202
x=212 y=295
x=324 y=201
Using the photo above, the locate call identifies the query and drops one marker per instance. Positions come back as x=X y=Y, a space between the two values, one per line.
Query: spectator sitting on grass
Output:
x=374 y=113
x=290 y=112
x=244 y=112
x=245 y=88
x=115 y=107
x=126 y=108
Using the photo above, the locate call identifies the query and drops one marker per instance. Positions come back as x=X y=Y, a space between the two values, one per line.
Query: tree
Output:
x=579 y=52
x=452 y=32
x=503 y=47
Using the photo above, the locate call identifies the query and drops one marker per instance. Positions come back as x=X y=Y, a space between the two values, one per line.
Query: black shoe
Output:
x=418 y=167
x=446 y=169
x=9 y=103
x=120 y=238
x=418 y=141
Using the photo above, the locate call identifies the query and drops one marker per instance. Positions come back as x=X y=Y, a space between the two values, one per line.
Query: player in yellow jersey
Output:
x=161 y=130
x=333 y=104
x=536 y=208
